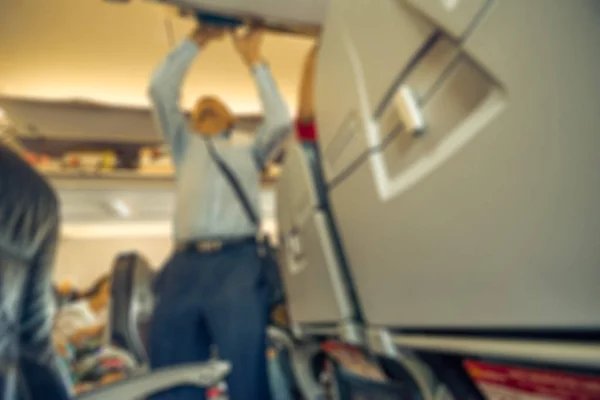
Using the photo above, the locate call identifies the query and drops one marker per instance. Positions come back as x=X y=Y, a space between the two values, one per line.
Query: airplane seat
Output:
x=318 y=300
x=458 y=193
x=130 y=311
x=309 y=253
x=456 y=155
x=131 y=305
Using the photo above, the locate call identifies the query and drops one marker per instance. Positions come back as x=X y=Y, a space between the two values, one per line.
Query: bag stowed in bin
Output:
x=266 y=250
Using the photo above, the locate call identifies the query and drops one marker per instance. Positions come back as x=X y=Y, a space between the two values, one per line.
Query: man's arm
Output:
x=306 y=98
x=277 y=124
x=164 y=94
x=165 y=88
x=42 y=369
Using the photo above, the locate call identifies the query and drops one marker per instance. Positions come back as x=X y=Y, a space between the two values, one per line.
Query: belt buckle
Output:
x=209 y=246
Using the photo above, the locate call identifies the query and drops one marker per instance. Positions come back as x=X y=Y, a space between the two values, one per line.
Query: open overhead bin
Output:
x=296 y=16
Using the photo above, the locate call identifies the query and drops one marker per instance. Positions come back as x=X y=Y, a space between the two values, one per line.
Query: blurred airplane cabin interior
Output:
x=436 y=231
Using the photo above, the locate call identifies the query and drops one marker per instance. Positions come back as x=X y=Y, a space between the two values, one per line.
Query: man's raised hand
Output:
x=204 y=34
x=249 y=45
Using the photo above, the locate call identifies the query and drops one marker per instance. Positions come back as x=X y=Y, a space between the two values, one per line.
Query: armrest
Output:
x=280 y=337
x=199 y=374
x=301 y=359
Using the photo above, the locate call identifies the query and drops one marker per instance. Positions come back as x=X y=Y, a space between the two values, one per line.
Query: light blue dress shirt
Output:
x=206 y=206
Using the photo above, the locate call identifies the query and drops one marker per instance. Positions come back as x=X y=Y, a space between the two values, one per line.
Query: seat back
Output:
x=318 y=296
x=131 y=305
x=28 y=235
x=458 y=192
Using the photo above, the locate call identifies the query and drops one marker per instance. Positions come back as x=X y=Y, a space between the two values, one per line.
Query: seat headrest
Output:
x=28 y=205
x=131 y=304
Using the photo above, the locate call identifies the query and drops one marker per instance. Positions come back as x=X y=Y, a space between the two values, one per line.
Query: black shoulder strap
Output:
x=233 y=182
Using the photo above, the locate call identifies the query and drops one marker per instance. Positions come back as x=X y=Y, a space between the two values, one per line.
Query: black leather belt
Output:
x=212 y=246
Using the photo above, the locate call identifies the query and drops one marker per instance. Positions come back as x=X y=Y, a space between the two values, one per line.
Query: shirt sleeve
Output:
x=277 y=124
x=164 y=93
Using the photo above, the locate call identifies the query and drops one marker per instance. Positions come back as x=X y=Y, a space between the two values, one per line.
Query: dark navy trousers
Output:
x=216 y=299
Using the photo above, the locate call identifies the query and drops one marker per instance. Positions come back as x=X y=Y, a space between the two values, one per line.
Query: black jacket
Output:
x=29 y=223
